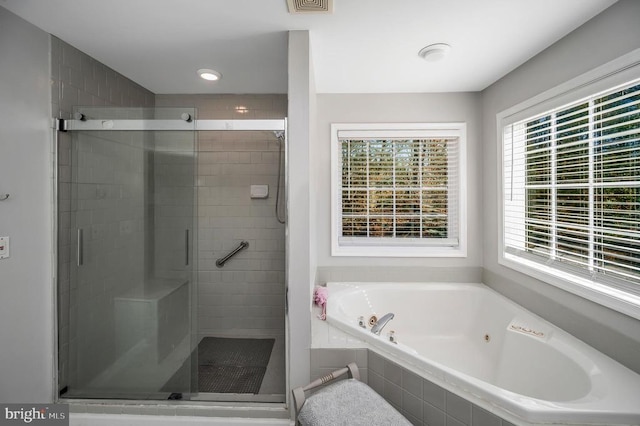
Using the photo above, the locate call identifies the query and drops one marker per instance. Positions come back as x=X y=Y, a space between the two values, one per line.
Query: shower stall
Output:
x=171 y=270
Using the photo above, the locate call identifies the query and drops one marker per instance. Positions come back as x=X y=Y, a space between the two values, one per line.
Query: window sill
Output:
x=395 y=251
x=612 y=298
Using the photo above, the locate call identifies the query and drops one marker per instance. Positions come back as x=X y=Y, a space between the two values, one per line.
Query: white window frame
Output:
x=392 y=248
x=612 y=74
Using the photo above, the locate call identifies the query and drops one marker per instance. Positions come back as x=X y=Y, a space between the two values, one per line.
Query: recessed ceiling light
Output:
x=208 y=74
x=434 y=52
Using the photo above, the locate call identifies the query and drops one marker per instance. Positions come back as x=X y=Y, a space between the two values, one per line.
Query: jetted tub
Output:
x=482 y=344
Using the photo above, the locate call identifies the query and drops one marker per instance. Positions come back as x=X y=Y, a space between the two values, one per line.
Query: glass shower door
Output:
x=131 y=262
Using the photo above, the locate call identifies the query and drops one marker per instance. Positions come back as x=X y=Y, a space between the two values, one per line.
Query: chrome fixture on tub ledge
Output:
x=378 y=326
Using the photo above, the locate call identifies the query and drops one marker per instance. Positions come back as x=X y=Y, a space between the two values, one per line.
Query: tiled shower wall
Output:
x=79 y=80
x=246 y=296
x=172 y=198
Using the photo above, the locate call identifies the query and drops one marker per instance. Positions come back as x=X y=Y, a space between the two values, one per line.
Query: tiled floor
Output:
x=273 y=386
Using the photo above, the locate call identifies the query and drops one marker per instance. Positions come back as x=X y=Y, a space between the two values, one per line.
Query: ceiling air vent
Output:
x=310 y=6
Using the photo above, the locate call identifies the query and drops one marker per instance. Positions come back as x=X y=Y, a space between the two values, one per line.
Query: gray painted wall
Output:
x=300 y=267
x=26 y=287
x=399 y=108
x=606 y=37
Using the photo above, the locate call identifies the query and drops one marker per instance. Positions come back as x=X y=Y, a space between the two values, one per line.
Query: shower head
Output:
x=279 y=134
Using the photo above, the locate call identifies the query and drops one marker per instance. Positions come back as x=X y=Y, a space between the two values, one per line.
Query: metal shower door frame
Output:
x=80 y=122
x=169 y=125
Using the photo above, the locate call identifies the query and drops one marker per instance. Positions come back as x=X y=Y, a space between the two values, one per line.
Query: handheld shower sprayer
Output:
x=281 y=138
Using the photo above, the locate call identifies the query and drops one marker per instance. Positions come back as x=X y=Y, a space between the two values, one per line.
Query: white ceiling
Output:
x=365 y=46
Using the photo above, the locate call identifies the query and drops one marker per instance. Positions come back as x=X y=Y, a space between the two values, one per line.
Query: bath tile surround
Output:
x=422 y=402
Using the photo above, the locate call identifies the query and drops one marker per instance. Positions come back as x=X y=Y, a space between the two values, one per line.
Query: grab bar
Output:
x=220 y=262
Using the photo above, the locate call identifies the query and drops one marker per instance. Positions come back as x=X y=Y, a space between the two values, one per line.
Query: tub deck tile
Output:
x=433 y=394
x=433 y=416
x=481 y=417
x=458 y=408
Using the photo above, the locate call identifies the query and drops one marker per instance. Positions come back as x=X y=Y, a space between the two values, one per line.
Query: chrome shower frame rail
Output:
x=275 y=125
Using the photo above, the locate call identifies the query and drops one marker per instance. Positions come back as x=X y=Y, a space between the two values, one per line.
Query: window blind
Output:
x=572 y=188
x=400 y=189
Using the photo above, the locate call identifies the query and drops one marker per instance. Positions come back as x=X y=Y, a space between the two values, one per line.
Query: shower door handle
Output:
x=80 y=258
x=186 y=247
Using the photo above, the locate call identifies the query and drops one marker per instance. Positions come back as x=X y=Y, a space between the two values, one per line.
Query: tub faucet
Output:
x=377 y=328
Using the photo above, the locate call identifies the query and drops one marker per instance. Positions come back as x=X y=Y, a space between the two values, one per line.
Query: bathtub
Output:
x=484 y=346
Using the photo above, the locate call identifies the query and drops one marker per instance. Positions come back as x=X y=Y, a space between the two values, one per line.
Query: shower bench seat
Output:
x=349 y=402
x=153 y=315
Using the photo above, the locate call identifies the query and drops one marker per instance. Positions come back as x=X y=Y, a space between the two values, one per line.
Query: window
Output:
x=397 y=189
x=571 y=192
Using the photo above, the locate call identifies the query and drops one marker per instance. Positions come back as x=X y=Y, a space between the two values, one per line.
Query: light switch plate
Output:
x=4 y=247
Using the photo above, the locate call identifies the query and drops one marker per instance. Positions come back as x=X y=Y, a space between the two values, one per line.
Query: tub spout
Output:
x=377 y=328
